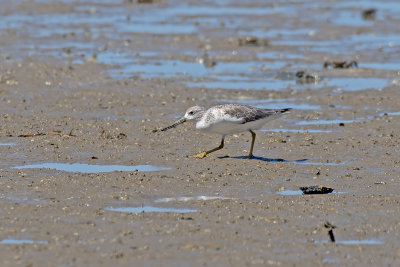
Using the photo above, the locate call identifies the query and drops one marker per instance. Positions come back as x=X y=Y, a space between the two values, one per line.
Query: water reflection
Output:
x=12 y=241
x=87 y=168
x=146 y=209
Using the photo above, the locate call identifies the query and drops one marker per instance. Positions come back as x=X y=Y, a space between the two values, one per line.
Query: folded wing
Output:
x=242 y=114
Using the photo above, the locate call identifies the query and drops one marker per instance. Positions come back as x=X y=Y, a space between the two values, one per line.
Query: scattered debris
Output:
x=31 y=135
x=106 y=134
x=308 y=190
x=340 y=64
x=206 y=60
x=303 y=77
x=8 y=80
x=67 y=50
x=274 y=220
x=144 y=1
x=252 y=41
x=369 y=14
x=122 y=136
x=92 y=59
x=71 y=134
x=330 y=228
x=51 y=133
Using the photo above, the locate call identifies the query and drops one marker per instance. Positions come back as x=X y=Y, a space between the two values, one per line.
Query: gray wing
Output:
x=247 y=114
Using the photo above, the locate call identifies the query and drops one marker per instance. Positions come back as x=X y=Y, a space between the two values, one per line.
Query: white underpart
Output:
x=225 y=124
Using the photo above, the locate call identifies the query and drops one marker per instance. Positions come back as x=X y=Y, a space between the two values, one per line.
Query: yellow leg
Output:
x=253 y=138
x=202 y=155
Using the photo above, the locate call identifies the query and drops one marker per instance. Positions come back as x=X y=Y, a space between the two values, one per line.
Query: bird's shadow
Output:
x=265 y=159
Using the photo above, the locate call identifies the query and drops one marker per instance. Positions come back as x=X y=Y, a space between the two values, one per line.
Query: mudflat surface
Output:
x=84 y=85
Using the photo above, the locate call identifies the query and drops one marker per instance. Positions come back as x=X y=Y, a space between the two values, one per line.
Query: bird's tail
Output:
x=280 y=112
x=273 y=114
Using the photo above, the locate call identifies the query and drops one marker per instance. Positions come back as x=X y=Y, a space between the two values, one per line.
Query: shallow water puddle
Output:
x=166 y=68
x=329 y=260
x=186 y=199
x=17 y=199
x=156 y=28
x=278 y=130
x=273 y=103
x=325 y=122
x=357 y=84
x=8 y=144
x=392 y=6
x=374 y=41
x=113 y=21
x=271 y=83
x=211 y=10
x=87 y=168
x=148 y=209
x=12 y=241
x=239 y=84
x=302 y=106
x=290 y=192
x=20 y=198
x=279 y=55
x=259 y=76
x=117 y=20
x=367 y=41
x=159 y=68
x=381 y=65
x=397 y=113
x=350 y=18
x=277 y=33
x=360 y=242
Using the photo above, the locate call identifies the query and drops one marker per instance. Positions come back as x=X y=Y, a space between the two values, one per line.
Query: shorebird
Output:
x=228 y=119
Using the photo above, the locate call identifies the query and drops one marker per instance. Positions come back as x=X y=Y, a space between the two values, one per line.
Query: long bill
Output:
x=175 y=124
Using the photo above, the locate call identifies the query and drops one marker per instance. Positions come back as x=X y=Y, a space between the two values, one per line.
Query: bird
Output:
x=228 y=119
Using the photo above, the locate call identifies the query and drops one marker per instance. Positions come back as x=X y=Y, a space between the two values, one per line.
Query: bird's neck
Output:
x=200 y=115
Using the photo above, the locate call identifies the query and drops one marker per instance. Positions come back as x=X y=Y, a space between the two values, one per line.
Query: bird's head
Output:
x=192 y=113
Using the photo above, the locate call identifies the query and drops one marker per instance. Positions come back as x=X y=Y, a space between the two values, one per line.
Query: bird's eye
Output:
x=191 y=113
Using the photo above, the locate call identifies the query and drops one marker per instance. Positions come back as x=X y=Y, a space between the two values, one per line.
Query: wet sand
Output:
x=91 y=82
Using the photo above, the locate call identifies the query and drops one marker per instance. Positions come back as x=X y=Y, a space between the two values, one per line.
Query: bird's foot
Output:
x=250 y=156
x=200 y=155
